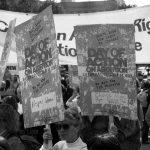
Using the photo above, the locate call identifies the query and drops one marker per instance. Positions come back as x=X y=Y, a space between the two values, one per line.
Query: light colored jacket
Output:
x=63 y=145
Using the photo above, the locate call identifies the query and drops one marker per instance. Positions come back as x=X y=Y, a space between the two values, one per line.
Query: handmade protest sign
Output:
x=37 y=56
x=106 y=69
x=7 y=47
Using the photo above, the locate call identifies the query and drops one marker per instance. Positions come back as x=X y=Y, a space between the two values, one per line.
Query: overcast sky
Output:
x=138 y=2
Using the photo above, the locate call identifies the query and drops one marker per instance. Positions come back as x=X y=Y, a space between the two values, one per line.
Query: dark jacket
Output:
x=15 y=143
x=128 y=133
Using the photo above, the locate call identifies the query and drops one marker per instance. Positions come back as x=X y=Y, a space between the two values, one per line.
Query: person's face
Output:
x=67 y=132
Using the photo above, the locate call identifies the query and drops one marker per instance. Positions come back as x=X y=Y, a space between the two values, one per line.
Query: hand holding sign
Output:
x=47 y=137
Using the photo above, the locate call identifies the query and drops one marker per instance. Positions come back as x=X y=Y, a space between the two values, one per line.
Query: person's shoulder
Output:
x=14 y=139
x=84 y=148
x=16 y=143
x=82 y=144
x=59 y=145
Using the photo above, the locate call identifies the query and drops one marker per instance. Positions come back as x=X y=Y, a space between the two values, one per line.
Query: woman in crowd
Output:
x=68 y=130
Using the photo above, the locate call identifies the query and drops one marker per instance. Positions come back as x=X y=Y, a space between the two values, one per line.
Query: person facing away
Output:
x=104 y=141
x=68 y=130
x=128 y=133
x=9 y=126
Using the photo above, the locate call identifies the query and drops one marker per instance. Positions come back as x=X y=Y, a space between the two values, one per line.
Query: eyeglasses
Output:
x=64 y=126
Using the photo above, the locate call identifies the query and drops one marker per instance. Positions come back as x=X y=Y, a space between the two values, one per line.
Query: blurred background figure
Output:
x=69 y=132
x=9 y=126
x=4 y=144
x=144 y=98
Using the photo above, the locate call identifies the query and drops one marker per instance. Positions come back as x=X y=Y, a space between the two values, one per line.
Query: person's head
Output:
x=11 y=100
x=4 y=144
x=103 y=142
x=100 y=124
x=9 y=121
x=145 y=84
x=15 y=81
x=140 y=77
x=69 y=128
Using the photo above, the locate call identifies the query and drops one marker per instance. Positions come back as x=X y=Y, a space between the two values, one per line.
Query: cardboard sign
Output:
x=38 y=66
x=106 y=69
x=13 y=68
x=6 y=49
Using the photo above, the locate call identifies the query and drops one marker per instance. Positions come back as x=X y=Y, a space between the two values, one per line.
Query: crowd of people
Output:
x=75 y=132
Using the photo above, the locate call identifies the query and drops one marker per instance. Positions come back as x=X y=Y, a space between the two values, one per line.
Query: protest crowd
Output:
x=76 y=131
x=103 y=103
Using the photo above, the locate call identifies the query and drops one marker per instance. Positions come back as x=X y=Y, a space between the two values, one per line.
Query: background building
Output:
x=67 y=0
x=120 y=2
x=87 y=7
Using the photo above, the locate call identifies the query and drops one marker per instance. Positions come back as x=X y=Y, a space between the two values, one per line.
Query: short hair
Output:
x=72 y=116
x=103 y=142
x=11 y=100
x=10 y=117
x=146 y=84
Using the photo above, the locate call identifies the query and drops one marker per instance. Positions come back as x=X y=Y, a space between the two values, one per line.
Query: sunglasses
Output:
x=64 y=126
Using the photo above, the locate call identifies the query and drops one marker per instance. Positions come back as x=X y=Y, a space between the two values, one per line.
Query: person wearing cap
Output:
x=68 y=131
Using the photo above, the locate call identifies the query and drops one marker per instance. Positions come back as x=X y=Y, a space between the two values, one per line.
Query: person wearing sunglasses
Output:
x=68 y=131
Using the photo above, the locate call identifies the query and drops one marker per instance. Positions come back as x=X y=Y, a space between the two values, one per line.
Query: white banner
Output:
x=64 y=24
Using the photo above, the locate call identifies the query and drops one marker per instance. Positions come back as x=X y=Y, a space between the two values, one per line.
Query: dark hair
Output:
x=103 y=142
x=7 y=84
x=11 y=100
x=146 y=84
x=10 y=118
x=103 y=120
x=4 y=144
